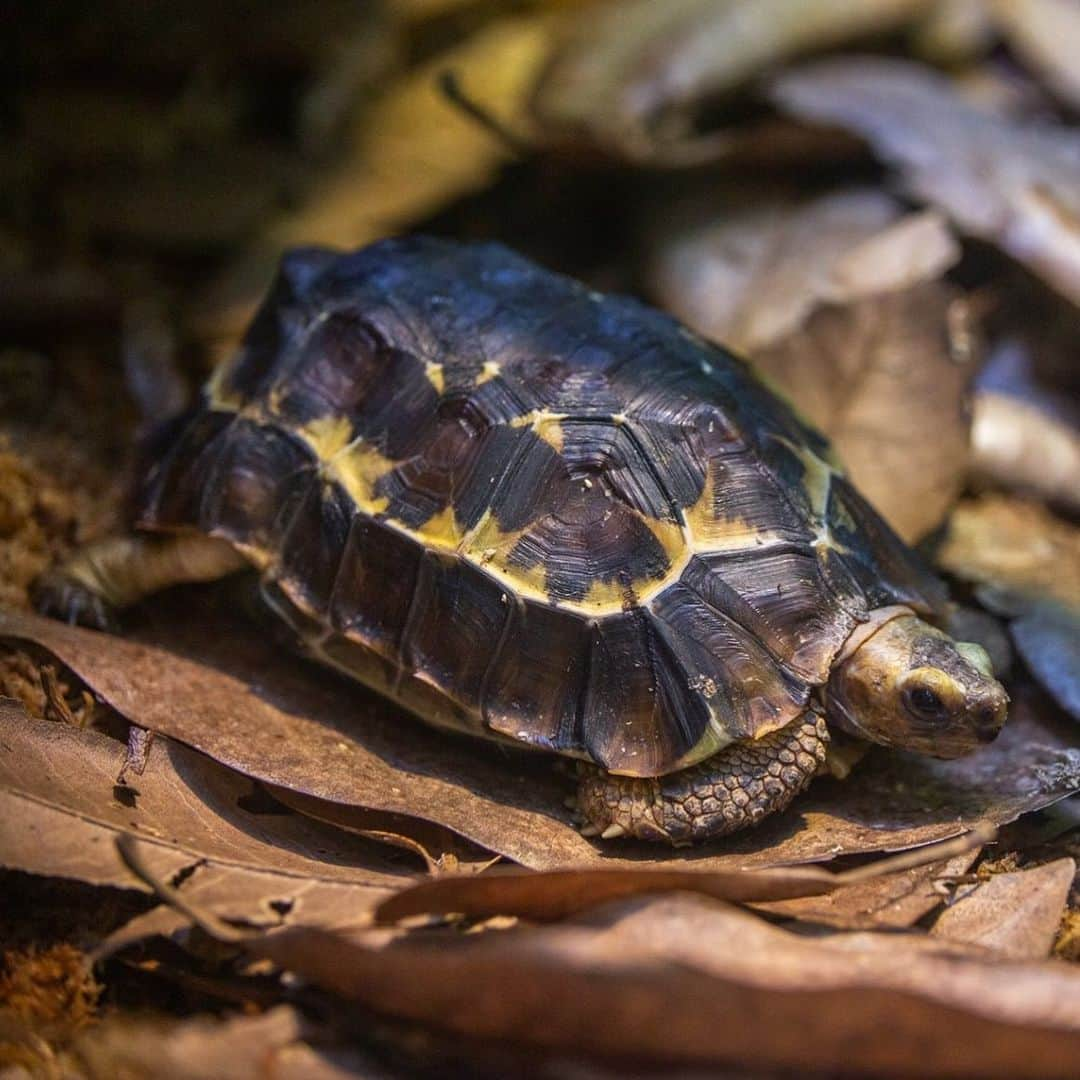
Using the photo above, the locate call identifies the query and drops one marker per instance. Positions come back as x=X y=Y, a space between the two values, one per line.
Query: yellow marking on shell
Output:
x=221 y=397
x=441 y=531
x=327 y=436
x=273 y=400
x=547 y=425
x=711 y=533
x=435 y=375
x=489 y=370
x=673 y=538
x=841 y=515
x=604 y=597
x=358 y=467
x=817 y=483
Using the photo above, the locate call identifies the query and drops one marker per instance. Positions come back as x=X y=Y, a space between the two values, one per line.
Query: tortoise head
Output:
x=902 y=682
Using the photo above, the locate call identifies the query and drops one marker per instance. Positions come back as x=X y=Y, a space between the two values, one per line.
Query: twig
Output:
x=130 y=851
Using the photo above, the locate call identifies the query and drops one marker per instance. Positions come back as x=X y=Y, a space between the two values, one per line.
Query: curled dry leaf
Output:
x=205 y=1048
x=60 y=810
x=897 y=900
x=440 y=849
x=1016 y=545
x=1046 y=33
x=631 y=76
x=1027 y=562
x=750 y=279
x=886 y=379
x=414 y=152
x=216 y=684
x=181 y=799
x=1016 y=444
x=552 y=895
x=1007 y=181
x=730 y=988
x=1016 y=914
x=838 y=303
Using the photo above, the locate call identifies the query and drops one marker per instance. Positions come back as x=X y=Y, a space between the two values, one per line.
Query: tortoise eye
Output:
x=924 y=702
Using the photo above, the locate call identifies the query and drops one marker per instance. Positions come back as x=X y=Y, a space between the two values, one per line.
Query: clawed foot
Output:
x=734 y=789
x=62 y=597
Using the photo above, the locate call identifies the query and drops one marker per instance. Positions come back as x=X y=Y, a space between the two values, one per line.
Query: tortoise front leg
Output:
x=731 y=790
x=120 y=571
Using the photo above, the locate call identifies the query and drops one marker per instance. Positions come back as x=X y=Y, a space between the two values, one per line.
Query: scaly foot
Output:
x=732 y=790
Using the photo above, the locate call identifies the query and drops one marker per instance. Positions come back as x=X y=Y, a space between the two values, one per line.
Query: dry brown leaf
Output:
x=1012 y=182
x=837 y=302
x=206 y=1048
x=1015 y=444
x=182 y=799
x=60 y=812
x=293 y=725
x=750 y=279
x=549 y=896
x=553 y=895
x=1013 y=544
x=1046 y=33
x=897 y=900
x=729 y=987
x=630 y=76
x=412 y=153
x=1016 y=914
x=441 y=849
x=886 y=378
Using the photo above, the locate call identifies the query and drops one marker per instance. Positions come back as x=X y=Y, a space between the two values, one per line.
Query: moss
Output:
x=1067 y=945
x=44 y=513
x=51 y=986
x=45 y=694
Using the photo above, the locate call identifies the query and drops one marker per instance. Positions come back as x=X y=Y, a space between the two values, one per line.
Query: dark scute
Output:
x=725 y=665
x=336 y=366
x=455 y=628
x=259 y=474
x=277 y=325
x=589 y=538
x=536 y=683
x=496 y=451
x=313 y=544
x=640 y=714
x=398 y=413
x=781 y=598
x=427 y=483
x=745 y=492
x=171 y=491
x=888 y=572
x=674 y=451
x=527 y=480
x=375 y=585
x=608 y=453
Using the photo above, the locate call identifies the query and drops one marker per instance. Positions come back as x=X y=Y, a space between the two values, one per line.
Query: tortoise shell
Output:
x=522 y=508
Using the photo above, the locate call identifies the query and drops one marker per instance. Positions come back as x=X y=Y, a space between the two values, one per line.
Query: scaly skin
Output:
x=731 y=790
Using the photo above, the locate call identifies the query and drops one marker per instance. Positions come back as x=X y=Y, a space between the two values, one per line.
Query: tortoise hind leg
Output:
x=119 y=571
x=731 y=790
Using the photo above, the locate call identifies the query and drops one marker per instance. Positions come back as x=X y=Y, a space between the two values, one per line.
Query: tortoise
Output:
x=525 y=510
